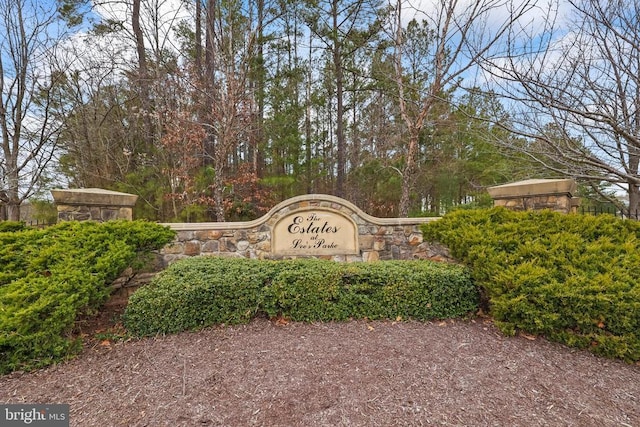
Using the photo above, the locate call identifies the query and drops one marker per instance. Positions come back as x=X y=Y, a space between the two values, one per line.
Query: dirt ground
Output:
x=267 y=373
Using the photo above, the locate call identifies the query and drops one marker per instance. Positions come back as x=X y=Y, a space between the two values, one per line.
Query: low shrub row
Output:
x=202 y=291
x=6 y=226
x=572 y=278
x=50 y=277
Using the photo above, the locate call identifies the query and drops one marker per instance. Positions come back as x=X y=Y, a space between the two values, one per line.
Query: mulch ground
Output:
x=266 y=373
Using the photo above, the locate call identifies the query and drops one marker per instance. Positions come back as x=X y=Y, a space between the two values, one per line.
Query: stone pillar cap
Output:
x=93 y=197
x=533 y=187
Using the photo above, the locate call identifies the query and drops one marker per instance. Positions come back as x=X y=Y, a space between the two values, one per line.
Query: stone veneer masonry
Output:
x=84 y=204
x=316 y=225
x=537 y=194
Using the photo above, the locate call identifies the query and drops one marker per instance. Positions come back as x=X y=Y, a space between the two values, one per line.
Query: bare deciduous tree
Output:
x=232 y=41
x=462 y=34
x=575 y=90
x=29 y=33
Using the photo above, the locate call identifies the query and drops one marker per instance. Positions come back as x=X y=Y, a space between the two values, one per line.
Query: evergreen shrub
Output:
x=49 y=277
x=572 y=278
x=202 y=291
x=6 y=226
x=196 y=292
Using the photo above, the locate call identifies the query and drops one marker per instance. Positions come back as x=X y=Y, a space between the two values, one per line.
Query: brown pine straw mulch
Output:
x=358 y=373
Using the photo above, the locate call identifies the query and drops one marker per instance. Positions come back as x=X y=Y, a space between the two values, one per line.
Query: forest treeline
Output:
x=219 y=109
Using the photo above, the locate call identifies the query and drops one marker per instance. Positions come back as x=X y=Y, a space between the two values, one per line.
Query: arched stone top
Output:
x=308 y=202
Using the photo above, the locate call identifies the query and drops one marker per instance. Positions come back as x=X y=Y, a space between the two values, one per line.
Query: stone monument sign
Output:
x=317 y=231
x=308 y=226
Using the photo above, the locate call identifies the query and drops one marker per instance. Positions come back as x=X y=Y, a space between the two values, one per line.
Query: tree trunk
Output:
x=634 y=187
x=209 y=79
x=342 y=145
x=408 y=175
x=634 y=200
x=257 y=138
x=307 y=124
x=143 y=77
x=198 y=39
x=13 y=205
x=12 y=193
x=137 y=32
x=218 y=191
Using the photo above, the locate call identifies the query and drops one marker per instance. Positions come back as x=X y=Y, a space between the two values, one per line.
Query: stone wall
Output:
x=95 y=204
x=319 y=226
x=537 y=194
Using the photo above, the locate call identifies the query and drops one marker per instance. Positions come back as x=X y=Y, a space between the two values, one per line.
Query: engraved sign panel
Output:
x=315 y=232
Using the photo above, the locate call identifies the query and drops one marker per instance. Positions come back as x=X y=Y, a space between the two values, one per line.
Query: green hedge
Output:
x=50 y=277
x=197 y=292
x=572 y=278
x=6 y=226
x=202 y=291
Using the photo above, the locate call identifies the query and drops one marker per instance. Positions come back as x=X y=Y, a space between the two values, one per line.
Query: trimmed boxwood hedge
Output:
x=202 y=291
x=572 y=278
x=50 y=277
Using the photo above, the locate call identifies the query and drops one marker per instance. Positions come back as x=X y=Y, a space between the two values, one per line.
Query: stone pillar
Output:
x=95 y=204
x=537 y=194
